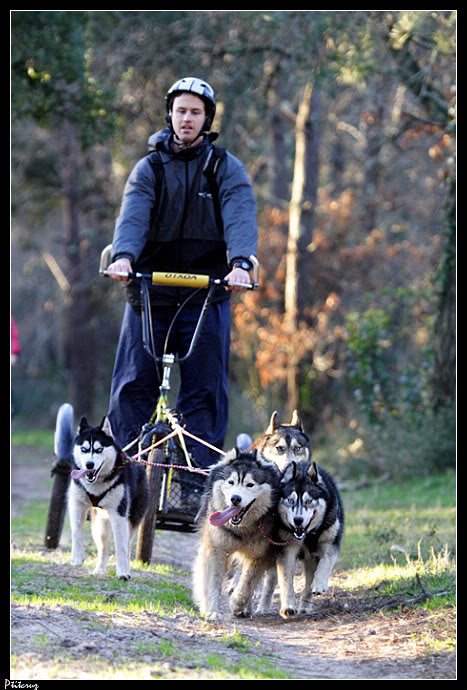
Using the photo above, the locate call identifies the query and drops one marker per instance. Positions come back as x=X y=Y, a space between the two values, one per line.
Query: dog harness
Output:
x=122 y=461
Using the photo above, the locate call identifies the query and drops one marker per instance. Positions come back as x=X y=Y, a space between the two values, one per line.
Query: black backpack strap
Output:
x=215 y=157
x=157 y=166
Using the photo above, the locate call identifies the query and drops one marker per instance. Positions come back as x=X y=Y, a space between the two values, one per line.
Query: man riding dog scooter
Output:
x=172 y=218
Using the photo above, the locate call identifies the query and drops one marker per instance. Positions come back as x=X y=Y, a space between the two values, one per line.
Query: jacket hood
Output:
x=160 y=140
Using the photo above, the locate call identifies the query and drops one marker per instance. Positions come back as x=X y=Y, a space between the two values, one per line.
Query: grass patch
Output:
x=390 y=522
x=236 y=641
x=248 y=668
x=40 y=439
x=33 y=584
x=30 y=522
x=434 y=577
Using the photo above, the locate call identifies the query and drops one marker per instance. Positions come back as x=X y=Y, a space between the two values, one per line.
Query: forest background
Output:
x=345 y=121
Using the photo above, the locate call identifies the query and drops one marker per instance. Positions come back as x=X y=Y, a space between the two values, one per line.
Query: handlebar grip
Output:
x=180 y=279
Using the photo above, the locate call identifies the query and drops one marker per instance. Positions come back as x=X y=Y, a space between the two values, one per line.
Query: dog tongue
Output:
x=218 y=519
x=77 y=474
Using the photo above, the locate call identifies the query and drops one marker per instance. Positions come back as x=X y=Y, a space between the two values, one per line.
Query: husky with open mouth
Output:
x=311 y=522
x=116 y=491
x=238 y=508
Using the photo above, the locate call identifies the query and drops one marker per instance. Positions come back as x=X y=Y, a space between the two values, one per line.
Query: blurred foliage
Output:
x=52 y=75
x=369 y=370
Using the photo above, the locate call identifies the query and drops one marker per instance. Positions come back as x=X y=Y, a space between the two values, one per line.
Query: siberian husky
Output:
x=239 y=501
x=116 y=491
x=311 y=518
x=281 y=443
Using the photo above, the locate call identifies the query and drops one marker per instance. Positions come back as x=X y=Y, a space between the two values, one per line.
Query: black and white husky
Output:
x=311 y=521
x=116 y=491
x=237 y=509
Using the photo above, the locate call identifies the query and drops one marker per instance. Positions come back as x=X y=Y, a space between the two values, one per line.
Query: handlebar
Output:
x=179 y=279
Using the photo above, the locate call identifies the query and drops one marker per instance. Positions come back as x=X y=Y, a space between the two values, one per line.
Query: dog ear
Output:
x=289 y=473
x=83 y=424
x=105 y=427
x=237 y=452
x=225 y=459
x=312 y=472
x=297 y=421
x=273 y=423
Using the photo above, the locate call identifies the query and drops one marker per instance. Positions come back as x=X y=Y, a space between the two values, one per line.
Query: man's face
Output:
x=188 y=114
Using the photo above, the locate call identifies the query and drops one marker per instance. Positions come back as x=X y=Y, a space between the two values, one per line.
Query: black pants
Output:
x=203 y=395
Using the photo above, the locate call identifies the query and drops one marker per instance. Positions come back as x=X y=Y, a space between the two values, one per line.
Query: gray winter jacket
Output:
x=175 y=228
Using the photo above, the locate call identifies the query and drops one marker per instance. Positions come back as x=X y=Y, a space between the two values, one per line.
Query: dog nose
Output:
x=298 y=521
x=90 y=465
x=235 y=500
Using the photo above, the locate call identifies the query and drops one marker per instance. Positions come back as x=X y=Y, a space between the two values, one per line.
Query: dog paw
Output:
x=262 y=610
x=305 y=607
x=124 y=577
x=77 y=557
x=240 y=610
x=99 y=570
x=320 y=587
x=288 y=612
x=242 y=613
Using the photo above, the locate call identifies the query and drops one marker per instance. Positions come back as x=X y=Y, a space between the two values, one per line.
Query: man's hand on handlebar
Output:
x=238 y=275
x=122 y=265
x=120 y=269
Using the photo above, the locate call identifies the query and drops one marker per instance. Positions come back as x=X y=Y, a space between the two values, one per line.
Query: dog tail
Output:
x=244 y=442
x=64 y=432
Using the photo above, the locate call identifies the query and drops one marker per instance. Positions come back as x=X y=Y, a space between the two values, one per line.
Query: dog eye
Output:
x=250 y=485
x=280 y=449
x=290 y=501
x=297 y=450
x=231 y=482
x=98 y=450
x=84 y=449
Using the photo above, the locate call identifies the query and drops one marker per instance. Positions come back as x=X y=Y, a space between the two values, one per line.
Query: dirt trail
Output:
x=340 y=640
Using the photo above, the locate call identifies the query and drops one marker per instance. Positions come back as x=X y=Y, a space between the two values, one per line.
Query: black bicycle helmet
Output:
x=198 y=87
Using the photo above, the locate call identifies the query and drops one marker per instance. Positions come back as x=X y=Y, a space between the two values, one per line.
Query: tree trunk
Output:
x=77 y=324
x=279 y=127
x=292 y=258
x=375 y=136
x=444 y=379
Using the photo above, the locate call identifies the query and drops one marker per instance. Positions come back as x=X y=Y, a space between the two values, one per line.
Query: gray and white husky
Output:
x=312 y=522
x=116 y=491
x=239 y=501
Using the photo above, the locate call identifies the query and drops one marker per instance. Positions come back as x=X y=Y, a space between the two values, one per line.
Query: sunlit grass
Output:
x=250 y=668
x=33 y=584
x=390 y=521
x=435 y=574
